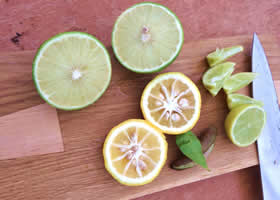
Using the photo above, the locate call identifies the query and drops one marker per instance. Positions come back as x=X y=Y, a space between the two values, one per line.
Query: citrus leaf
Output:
x=190 y=146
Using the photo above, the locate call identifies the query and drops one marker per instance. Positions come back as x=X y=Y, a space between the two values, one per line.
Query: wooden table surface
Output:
x=24 y=25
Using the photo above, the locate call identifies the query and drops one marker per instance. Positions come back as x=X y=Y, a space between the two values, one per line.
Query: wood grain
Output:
x=33 y=131
x=78 y=173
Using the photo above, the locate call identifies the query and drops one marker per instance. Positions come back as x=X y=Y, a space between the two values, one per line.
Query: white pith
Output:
x=135 y=156
x=76 y=74
x=172 y=108
x=147 y=37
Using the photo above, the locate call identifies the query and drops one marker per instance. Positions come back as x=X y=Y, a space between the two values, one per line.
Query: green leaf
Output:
x=190 y=146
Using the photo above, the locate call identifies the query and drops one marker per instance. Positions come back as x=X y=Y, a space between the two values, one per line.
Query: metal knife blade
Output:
x=269 y=141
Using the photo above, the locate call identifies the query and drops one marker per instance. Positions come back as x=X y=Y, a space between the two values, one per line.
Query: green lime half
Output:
x=71 y=70
x=238 y=81
x=234 y=100
x=221 y=55
x=147 y=37
x=214 y=78
x=244 y=124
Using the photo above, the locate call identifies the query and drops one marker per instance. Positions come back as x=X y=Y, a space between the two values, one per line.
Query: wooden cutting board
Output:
x=78 y=172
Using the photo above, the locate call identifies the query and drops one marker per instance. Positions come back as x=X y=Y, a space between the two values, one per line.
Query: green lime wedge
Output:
x=71 y=70
x=214 y=78
x=221 y=55
x=234 y=100
x=238 y=81
x=244 y=124
x=147 y=37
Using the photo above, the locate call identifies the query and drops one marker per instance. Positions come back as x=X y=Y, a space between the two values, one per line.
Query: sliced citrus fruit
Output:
x=71 y=70
x=134 y=152
x=221 y=55
x=213 y=79
x=171 y=102
x=234 y=100
x=147 y=37
x=244 y=124
x=238 y=81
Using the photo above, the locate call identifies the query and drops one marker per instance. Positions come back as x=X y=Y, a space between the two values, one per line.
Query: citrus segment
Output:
x=238 y=81
x=147 y=37
x=244 y=124
x=71 y=70
x=234 y=100
x=213 y=79
x=134 y=152
x=221 y=55
x=171 y=102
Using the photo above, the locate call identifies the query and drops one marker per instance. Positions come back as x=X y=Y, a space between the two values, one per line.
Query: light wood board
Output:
x=78 y=172
x=32 y=131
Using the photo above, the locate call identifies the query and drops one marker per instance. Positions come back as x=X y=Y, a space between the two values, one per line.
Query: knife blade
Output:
x=269 y=140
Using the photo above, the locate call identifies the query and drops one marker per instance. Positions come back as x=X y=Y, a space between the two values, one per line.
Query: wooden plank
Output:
x=33 y=131
x=78 y=172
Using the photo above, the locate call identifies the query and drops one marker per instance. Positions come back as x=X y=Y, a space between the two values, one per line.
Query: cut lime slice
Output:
x=234 y=100
x=214 y=91
x=214 y=78
x=147 y=37
x=244 y=124
x=238 y=81
x=71 y=70
x=221 y=55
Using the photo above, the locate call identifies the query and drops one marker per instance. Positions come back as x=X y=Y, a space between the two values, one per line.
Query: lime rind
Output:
x=165 y=64
x=221 y=55
x=213 y=79
x=238 y=81
x=234 y=100
x=45 y=45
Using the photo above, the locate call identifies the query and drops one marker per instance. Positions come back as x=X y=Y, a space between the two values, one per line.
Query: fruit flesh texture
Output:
x=221 y=55
x=213 y=79
x=149 y=152
x=249 y=121
x=238 y=81
x=147 y=37
x=171 y=103
x=79 y=74
x=244 y=124
x=234 y=100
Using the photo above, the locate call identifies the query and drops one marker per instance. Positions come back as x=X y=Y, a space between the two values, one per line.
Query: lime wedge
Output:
x=244 y=124
x=220 y=55
x=147 y=37
x=234 y=100
x=238 y=81
x=214 y=78
x=71 y=70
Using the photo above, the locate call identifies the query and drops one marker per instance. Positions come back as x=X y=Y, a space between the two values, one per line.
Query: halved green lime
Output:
x=71 y=70
x=234 y=100
x=244 y=124
x=221 y=55
x=238 y=81
x=147 y=37
x=214 y=78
